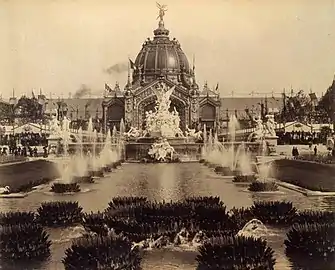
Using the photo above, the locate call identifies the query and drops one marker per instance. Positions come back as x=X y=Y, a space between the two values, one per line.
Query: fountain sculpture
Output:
x=162 y=122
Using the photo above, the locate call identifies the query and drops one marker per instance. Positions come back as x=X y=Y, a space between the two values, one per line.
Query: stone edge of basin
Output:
x=304 y=191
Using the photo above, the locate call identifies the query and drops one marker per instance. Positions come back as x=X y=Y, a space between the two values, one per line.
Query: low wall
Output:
x=312 y=175
x=19 y=174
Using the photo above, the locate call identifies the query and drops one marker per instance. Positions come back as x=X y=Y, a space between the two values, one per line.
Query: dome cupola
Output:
x=162 y=57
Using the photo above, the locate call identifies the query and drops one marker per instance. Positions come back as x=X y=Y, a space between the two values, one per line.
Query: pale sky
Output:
x=245 y=45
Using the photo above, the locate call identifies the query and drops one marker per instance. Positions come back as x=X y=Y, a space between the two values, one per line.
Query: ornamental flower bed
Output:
x=15 y=218
x=311 y=245
x=63 y=188
x=62 y=213
x=262 y=186
x=24 y=243
x=274 y=212
x=102 y=253
x=235 y=253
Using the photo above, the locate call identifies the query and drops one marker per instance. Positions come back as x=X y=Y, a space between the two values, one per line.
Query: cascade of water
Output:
x=253 y=228
x=232 y=126
x=80 y=141
x=205 y=135
x=90 y=129
x=122 y=127
x=94 y=145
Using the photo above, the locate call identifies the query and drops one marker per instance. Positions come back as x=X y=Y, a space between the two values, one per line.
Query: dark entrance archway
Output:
x=115 y=113
x=208 y=115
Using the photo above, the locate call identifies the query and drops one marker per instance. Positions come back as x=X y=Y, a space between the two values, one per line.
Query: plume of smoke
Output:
x=82 y=91
x=117 y=68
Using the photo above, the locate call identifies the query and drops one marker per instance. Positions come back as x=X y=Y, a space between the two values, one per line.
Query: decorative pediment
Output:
x=112 y=101
x=209 y=100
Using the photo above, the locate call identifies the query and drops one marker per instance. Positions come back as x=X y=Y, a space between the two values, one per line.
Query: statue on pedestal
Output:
x=270 y=126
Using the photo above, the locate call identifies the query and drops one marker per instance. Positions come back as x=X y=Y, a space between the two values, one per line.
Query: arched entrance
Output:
x=115 y=112
x=208 y=115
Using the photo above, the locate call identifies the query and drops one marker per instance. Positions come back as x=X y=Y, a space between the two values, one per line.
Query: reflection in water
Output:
x=166 y=182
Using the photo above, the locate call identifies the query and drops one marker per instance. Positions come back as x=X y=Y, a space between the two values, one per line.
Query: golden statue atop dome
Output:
x=162 y=9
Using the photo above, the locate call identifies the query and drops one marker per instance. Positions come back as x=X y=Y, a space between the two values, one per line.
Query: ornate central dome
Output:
x=162 y=57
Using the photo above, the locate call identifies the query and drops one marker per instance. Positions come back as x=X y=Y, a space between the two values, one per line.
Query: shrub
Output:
x=310 y=216
x=15 y=218
x=107 y=168
x=235 y=253
x=95 y=222
x=118 y=202
x=24 y=242
x=55 y=214
x=239 y=217
x=97 y=173
x=311 y=243
x=227 y=171
x=62 y=188
x=259 y=186
x=202 y=160
x=83 y=179
x=204 y=200
x=102 y=253
x=244 y=178
x=274 y=212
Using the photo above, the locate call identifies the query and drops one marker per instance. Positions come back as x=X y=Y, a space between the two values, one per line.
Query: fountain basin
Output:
x=107 y=168
x=96 y=173
x=83 y=179
x=63 y=188
x=244 y=178
x=226 y=171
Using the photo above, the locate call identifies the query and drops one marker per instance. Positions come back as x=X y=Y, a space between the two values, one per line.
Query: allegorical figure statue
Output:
x=162 y=9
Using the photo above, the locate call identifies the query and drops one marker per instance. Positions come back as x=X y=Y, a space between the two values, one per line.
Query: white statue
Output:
x=259 y=132
x=270 y=125
x=161 y=151
x=163 y=121
x=66 y=124
x=133 y=132
x=54 y=126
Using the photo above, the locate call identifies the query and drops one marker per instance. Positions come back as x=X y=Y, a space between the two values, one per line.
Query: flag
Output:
x=32 y=93
x=217 y=87
x=107 y=88
x=132 y=65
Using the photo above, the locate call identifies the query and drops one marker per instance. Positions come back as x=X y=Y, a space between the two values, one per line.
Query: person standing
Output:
x=315 y=150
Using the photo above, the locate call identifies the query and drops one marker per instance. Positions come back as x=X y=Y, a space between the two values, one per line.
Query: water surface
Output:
x=164 y=182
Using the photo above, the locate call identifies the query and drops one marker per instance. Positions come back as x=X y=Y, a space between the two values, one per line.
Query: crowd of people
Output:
x=25 y=139
x=299 y=137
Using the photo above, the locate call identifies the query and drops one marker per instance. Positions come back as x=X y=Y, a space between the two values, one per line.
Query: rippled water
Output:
x=164 y=182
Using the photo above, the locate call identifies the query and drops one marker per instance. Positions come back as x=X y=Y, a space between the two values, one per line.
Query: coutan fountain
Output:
x=162 y=138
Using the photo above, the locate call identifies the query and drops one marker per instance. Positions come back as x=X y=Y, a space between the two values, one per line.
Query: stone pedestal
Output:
x=271 y=142
x=53 y=144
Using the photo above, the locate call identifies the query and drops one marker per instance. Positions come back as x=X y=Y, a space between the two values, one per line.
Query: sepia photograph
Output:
x=146 y=135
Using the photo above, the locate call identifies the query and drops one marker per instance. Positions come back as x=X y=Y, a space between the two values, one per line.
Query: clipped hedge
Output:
x=235 y=253
x=102 y=253
x=24 y=242
x=61 y=213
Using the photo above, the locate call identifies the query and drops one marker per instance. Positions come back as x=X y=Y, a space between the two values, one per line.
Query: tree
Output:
x=297 y=107
x=326 y=105
x=5 y=111
x=28 y=109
